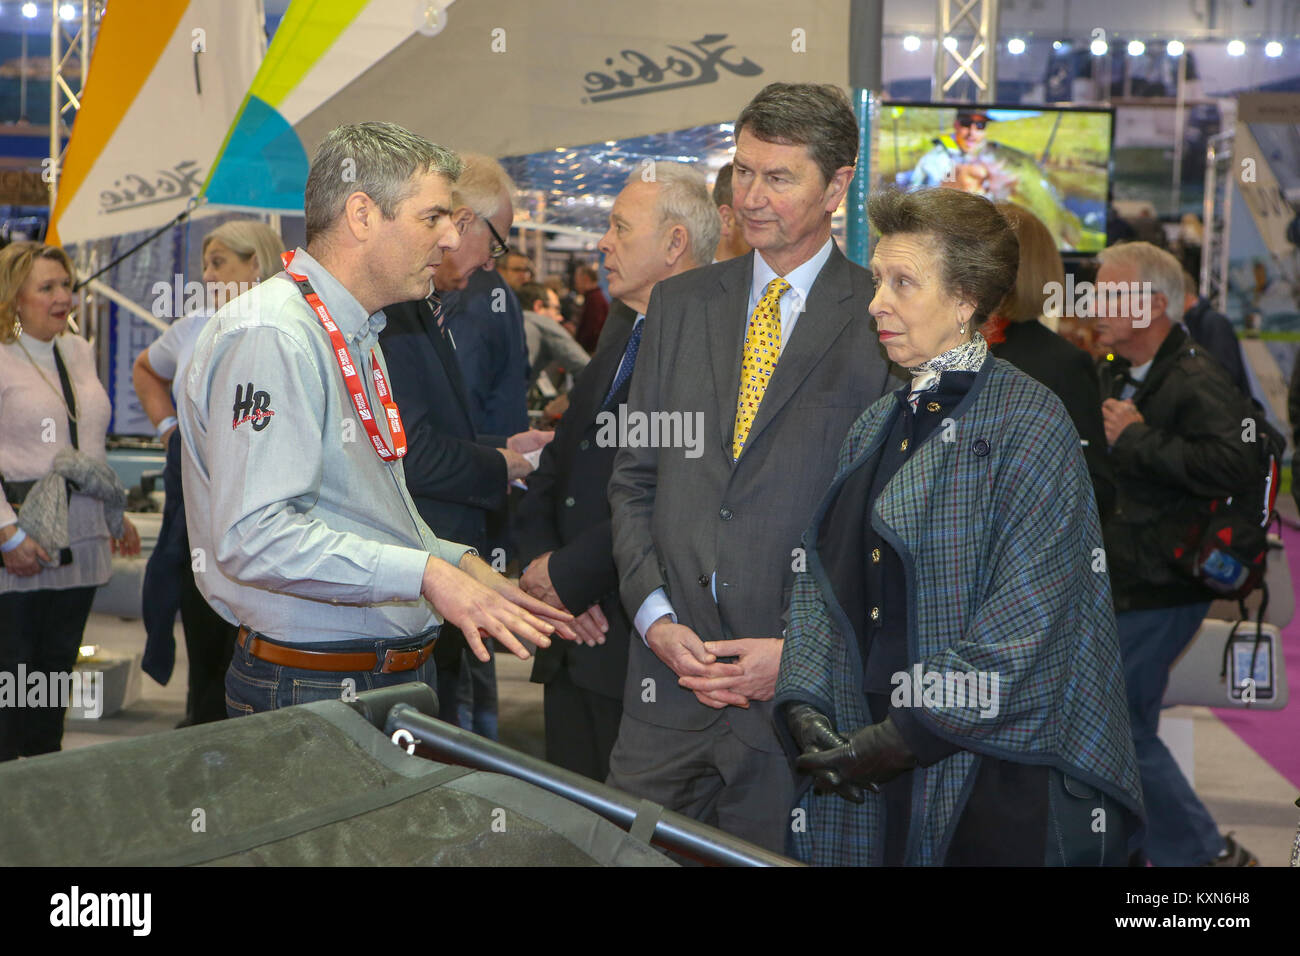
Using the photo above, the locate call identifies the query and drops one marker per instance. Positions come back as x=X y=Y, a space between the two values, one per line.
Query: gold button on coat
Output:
x=875 y=555
x=903 y=446
x=875 y=614
x=933 y=406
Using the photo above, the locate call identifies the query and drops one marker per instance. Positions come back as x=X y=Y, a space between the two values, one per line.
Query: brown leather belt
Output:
x=394 y=661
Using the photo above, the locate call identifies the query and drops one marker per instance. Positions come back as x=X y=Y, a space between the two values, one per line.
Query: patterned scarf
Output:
x=967 y=357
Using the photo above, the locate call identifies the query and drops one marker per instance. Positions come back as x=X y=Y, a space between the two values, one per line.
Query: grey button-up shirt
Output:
x=299 y=529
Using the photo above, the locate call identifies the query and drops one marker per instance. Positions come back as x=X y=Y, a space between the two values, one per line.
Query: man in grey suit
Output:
x=707 y=543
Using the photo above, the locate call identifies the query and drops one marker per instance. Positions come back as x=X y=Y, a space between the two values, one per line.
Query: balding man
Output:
x=657 y=229
x=297 y=500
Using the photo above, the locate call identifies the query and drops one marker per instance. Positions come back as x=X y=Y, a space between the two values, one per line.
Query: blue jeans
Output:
x=254 y=685
x=1180 y=831
x=476 y=695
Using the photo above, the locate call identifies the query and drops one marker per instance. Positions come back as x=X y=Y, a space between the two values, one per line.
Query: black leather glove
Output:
x=872 y=755
x=814 y=733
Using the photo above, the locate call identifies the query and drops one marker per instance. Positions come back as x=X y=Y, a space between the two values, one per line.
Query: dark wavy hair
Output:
x=977 y=250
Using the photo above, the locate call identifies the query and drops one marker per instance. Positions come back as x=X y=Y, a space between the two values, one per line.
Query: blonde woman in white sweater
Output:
x=50 y=400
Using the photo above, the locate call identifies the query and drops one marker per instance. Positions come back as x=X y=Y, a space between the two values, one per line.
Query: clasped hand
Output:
x=589 y=627
x=717 y=684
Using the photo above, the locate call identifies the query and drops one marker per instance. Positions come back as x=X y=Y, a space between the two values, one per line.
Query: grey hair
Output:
x=1155 y=266
x=684 y=199
x=378 y=159
x=484 y=185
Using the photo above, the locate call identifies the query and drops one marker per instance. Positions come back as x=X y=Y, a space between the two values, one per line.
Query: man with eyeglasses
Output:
x=963 y=160
x=457 y=471
x=516 y=268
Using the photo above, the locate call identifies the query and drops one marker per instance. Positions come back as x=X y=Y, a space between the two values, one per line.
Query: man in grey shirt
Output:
x=302 y=529
x=549 y=342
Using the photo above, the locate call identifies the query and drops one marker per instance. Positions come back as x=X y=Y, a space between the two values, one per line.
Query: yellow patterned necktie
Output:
x=762 y=349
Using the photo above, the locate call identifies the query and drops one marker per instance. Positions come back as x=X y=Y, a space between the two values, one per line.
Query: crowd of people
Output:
x=858 y=617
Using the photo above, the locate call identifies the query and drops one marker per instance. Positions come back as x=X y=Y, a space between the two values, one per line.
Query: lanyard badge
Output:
x=350 y=377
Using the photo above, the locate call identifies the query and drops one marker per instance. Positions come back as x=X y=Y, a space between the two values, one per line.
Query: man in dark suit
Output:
x=456 y=477
x=657 y=229
x=774 y=354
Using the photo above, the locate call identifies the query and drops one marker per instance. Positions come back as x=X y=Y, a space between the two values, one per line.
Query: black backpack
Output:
x=1225 y=547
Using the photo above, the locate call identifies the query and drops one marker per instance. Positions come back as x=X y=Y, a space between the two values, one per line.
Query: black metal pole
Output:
x=673 y=831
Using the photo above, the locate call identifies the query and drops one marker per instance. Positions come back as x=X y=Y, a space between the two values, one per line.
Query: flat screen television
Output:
x=1054 y=161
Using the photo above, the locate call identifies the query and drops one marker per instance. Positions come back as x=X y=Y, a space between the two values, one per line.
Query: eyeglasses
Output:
x=978 y=124
x=499 y=248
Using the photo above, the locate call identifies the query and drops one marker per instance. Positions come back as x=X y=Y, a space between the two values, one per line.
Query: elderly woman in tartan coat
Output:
x=950 y=681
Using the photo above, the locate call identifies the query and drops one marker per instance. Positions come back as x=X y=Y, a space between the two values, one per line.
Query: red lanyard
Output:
x=350 y=377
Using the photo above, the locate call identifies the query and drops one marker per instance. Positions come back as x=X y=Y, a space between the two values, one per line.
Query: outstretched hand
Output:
x=481 y=602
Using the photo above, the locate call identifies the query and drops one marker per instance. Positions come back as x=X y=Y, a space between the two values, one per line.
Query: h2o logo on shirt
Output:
x=251 y=406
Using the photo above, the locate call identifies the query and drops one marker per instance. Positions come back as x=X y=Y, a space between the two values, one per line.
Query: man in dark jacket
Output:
x=1174 y=430
x=1212 y=330
x=563 y=522
x=456 y=475
x=595 y=307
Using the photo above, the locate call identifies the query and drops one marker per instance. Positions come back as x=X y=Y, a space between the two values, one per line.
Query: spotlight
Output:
x=911 y=43
x=950 y=44
x=1057 y=44
x=29 y=10
x=1015 y=46
x=1236 y=48
x=1099 y=47
x=67 y=11
x=1174 y=47
x=1273 y=49
x=1136 y=47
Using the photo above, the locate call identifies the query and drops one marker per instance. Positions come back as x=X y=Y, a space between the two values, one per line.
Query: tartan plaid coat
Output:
x=996 y=525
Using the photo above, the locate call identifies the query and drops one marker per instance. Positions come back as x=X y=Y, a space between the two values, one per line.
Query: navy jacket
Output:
x=487 y=325
x=454 y=477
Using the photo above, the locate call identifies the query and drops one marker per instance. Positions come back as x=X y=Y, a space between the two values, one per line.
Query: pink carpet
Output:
x=1275 y=734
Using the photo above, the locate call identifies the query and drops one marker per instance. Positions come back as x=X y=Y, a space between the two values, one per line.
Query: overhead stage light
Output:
x=1174 y=47
x=1136 y=47
x=911 y=43
x=1236 y=48
x=1015 y=46
x=29 y=10
x=1099 y=47
x=950 y=44
x=1273 y=49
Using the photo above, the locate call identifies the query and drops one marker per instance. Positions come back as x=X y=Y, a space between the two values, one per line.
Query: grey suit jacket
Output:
x=677 y=520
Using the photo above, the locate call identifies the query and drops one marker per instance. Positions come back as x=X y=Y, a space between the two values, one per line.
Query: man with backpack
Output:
x=1190 y=456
